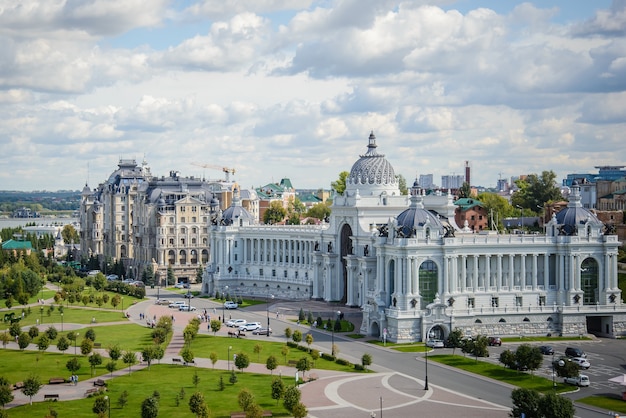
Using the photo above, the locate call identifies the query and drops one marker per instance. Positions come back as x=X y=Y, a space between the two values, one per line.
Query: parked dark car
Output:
x=494 y=341
x=575 y=352
x=547 y=350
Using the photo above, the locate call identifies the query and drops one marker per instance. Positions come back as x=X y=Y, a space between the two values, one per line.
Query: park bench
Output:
x=311 y=377
x=192 y=362
x=18 y=385
x=177 y=360
x=99 y=382
x=97 y=345
x=56 y=380
x=51 y=397
x=292 y=363
x=91 y=391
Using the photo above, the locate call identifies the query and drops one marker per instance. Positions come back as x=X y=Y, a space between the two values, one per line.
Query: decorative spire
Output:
x=371 y=147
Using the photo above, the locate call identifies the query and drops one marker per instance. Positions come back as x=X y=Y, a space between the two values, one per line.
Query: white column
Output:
x=487 y=271
x=464 y=271
x=499 y=273
x=546 y=271
x=511 y=273
x=475 y=273
x=535 y=272
x=523 y=271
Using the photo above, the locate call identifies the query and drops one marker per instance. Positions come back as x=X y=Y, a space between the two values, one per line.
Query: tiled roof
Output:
x=17 y=245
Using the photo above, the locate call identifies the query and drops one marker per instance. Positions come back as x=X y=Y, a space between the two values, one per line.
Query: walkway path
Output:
x=333 y=395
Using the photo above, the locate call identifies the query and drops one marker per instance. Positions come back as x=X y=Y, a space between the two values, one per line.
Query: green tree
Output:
x=73 y=365
x=90 y=334
x=288 y=332
x=115 y=301
x=86 y=346
x=15 y=329
x=115 y=352
x=319 y=211
x=215 y=325
x=299 y=410
x=278 y=389
x=291 y=398
x=271 y=364
x=309 y=340
x=150 y=408
x=296 y=336
x=198 y=406
x=122 y=400
x=245 y=399
x=242 y=361
x=257 y=350
x=43 y=343
x=366 y=360
x=275 y=213
x=402 y=185
x=5 y=337
x=148 y=354
x=63 y=344
x=303 y=365
x=552 y=405
x=170 y=279
x=32 y=385
x=528 y=357
x=23 y=340
x=536 y=190
x=6 y=392
x=187 y=355
x=52 y=333
x=285 y=352
x=129 y=358
x=195 y=379
x=233 y=377
x=568 y=369
x=94 y=360
x=525 y=401
x=465 y=190
x=33 y=332
x=70 y=235
x=111 y=366
x=213 y=357
x=507 y=357
x=100 y=406
x=315 y=355
x=339 y=185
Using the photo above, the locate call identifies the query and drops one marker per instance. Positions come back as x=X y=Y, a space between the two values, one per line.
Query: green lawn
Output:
x=141 y=384
x=500 y=373
x=70 y=315
x=204 y=345
x=615 y=403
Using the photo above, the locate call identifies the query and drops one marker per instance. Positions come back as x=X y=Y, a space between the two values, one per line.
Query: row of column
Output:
x=280 y=252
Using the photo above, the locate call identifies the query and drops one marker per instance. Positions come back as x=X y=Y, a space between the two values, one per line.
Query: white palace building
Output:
x=414 y=272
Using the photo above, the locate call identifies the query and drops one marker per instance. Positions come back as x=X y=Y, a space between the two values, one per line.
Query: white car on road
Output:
x=582 y=362
x=580 y=380
x=187 y=308
x=177 y=304
x=250 y=326
x=230 y=305
x=236 y=323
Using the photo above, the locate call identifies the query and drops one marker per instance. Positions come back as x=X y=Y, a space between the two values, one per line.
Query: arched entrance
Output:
x=345 y=245
x=374 y=330
x=435 y=332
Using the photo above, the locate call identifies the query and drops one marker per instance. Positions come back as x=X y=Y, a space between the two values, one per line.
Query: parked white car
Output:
x=236 y=323
x=177 y=304
x=435 y=343
x=580 y=380
x=187 y=308
x=250 y=326
x=582 y=362
x=230 y=305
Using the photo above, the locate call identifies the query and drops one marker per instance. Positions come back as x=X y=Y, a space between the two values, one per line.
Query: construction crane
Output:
x=226 y=170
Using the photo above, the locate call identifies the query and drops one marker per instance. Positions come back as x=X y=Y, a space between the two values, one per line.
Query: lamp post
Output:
x=41 y=315
x=223 y=311
x=332 y=341
x=521 y=213
x=229 y=348
x=123 y=305
x=268 y=313
x=561 y=364
x=106 y=398
x=61 y=321
x=76 y=334
x=428 y=335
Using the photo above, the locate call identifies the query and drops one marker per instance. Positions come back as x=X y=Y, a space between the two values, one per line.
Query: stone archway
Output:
x=374 y=329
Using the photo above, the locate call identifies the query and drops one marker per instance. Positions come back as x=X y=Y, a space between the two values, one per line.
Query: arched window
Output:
x=589 y=281
x=502 y=320
x=428 y=281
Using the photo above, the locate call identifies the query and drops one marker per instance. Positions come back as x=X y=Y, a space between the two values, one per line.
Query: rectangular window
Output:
x=542 y=301
x=260 y=272
x=495 y=302
x=182 y=219
x=518 y=301
x=171 y=241
x=273 y=273
x=285 y=273
x=470 y=302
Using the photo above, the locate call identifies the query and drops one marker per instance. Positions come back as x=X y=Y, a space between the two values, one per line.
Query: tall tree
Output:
x=465 y=190
x=275 y=213
x=70 y=235
x=536 y=190
x=402 y=184
x=32 y=385
x=150 y=407
x=497 y=207
x=320 y=210
x=339 y=185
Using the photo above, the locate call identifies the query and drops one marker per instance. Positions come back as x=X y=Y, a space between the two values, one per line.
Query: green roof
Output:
x=17 y=245
x=468 y=202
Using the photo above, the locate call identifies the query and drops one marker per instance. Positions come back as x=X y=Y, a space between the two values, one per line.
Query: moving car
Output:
x=575 y=352
x=188 y=295
x=177 y=304
x=262 y=331
x=580 y=380
x=494 y=341
x=435 y=343
x=162 y=302
x=547 y=350
x=179 y=285
x=582 y=362
x=229 y=304
x=187 y=308
x=250 y=326
x=236 y=323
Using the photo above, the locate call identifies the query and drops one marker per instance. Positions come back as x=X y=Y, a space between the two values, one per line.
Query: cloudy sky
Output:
x=292 y=88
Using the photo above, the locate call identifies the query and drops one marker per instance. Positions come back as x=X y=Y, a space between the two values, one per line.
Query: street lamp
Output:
x=428 y=335
x=229 y=348
x=123 y=305
x=41 y=314
x=61 y=321
x=106 y=398
x=561 y=364
x=332 y=343
x=75 y=340
x=223 y=311
x=268 y=312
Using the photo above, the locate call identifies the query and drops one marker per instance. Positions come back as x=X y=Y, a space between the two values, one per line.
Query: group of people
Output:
x=74 y=379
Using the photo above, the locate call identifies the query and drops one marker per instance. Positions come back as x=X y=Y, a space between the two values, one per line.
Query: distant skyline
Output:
x=277 y=88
